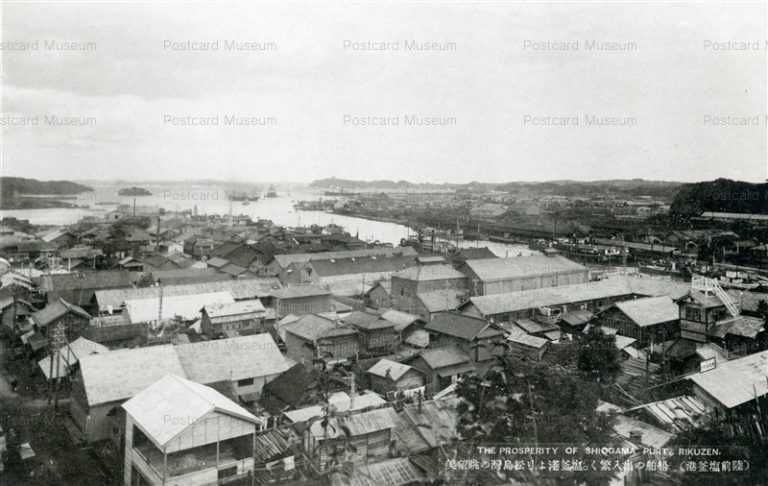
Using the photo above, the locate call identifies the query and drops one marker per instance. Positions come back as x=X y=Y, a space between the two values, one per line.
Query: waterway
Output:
x=214 y=199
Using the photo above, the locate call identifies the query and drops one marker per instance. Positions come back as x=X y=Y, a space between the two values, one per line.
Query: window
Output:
x=245 y=382
x=692 y=314
x=227 y=472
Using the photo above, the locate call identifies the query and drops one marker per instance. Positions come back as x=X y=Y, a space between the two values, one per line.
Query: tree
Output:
x=522 y=403
x=734 y=442
x=598 y=356
x=762 y=309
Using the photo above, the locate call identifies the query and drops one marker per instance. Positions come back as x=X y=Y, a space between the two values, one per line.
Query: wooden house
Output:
x=475 y=337
x=316 y=337
x=377 y=336
x=246 y=315
x=388 y=376
x=649 y=320
x=442 y=366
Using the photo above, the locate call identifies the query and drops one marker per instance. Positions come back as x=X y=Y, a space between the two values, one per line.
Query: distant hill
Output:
x=11 y=188
x=626 y=187
x=721 y=195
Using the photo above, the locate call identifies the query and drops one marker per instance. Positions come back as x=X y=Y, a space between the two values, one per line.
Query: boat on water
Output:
x=240 y=197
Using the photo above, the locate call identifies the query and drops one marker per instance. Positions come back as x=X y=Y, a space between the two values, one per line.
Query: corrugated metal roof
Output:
x=241 y=289
x=492 y=269
x=609 y=288
x=737 y=381
x=285 y=260
x=678 y=413
x=186 y=306
x=392 y=472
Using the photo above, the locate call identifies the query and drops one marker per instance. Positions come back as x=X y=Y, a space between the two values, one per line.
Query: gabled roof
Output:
x=237 y=309
x=285 y=260
x=424 y=273
x=461 y=326
x=232 y=359
x=176 y=397
x=566 y=294
x=441 y=300
x=217 y=262
x=189 y=275
x=185 y=306
x=298 y=291
x=121 y=374
x=649 y=311
x=438 y=358
x=232 y=269
x=57 y=309
x=737 y=381
x=287 y=389
x=70 y=354
x=401 y=320
x=492 y=269
x=313 y=327
x=396 y=370
x=743 y=326
x=85 y=280
x=379 y=265
x=241 y=289
x=364 y=320
x=535 y=327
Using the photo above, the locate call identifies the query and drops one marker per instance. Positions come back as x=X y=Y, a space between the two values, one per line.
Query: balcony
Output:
x=197 y=466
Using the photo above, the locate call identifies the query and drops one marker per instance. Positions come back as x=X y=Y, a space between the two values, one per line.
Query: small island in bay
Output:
x=133 y=191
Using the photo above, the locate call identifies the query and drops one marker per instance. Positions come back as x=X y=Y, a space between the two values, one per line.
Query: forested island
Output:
x=21 y=193
x=133 y=191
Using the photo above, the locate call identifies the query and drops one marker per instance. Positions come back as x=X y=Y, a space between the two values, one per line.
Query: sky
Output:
x=296 y=91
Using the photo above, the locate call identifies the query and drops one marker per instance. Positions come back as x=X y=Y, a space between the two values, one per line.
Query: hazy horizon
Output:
x=453 y=92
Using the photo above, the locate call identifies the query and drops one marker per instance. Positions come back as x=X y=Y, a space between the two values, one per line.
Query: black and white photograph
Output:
x=383 y=243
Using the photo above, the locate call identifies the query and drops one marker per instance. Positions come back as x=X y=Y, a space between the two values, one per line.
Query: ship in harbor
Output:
x=243 y=197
